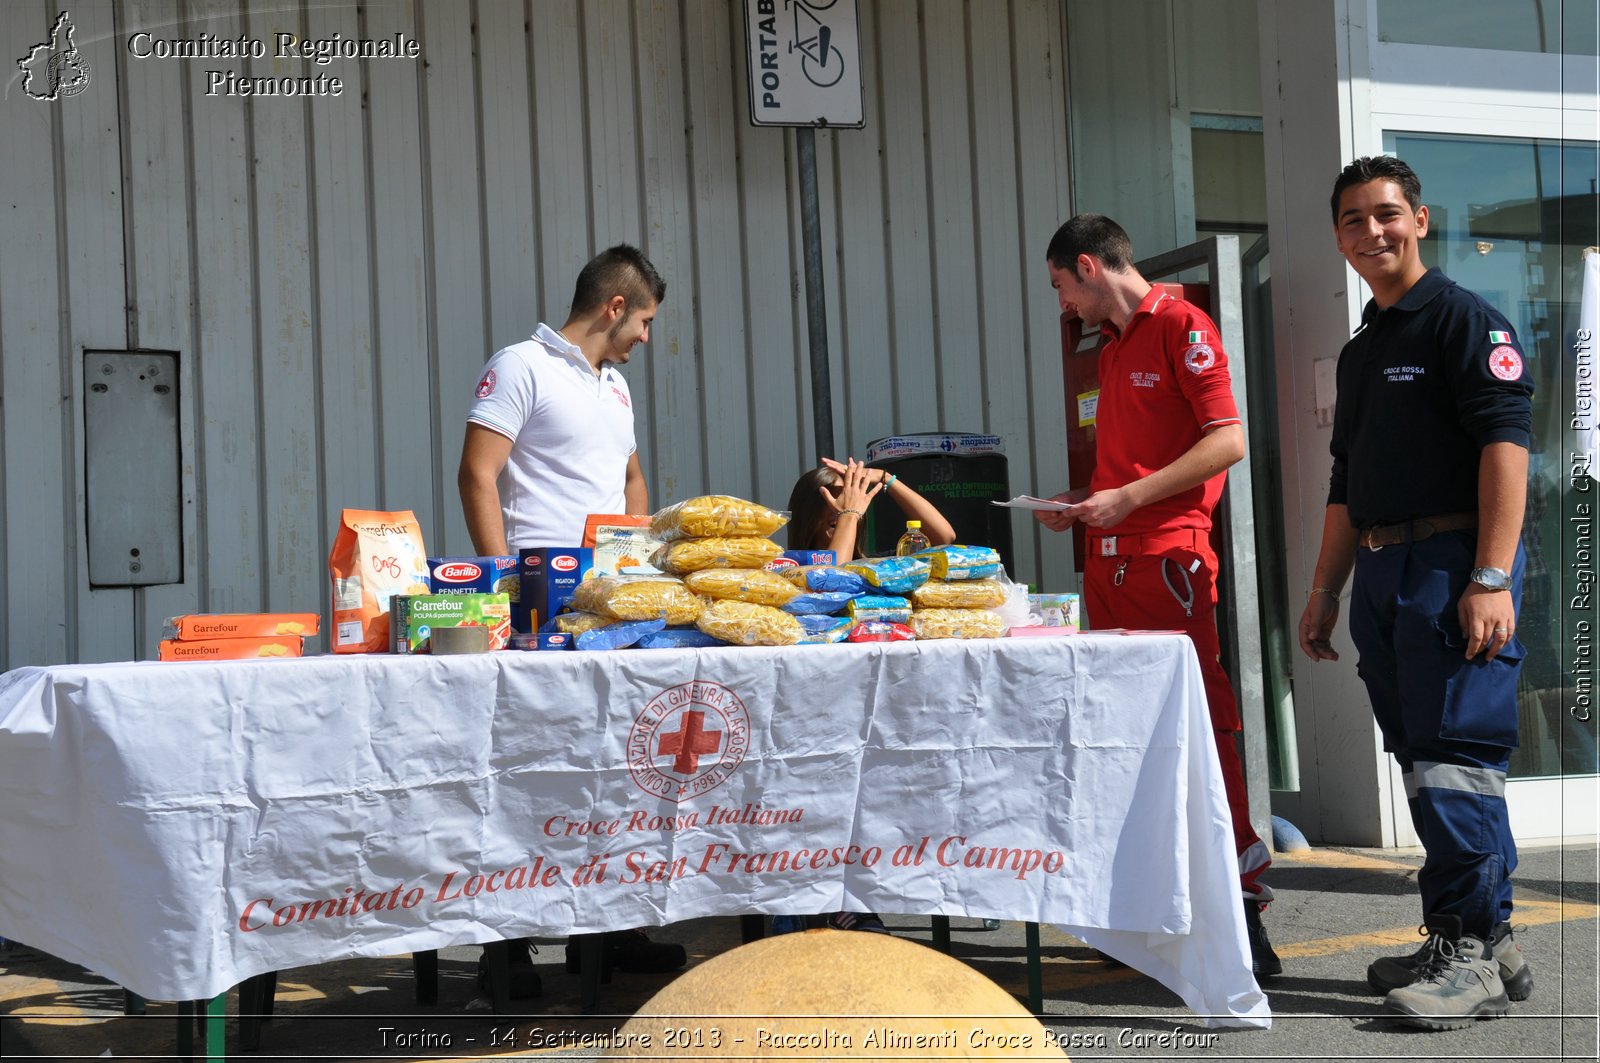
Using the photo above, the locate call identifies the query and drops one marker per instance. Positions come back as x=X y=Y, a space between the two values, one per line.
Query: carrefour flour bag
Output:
x=375 y=555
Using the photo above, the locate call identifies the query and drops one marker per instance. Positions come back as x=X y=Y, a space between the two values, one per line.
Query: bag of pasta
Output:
x=826 y=578
x=957 y=624
x=637 y=598
x=962 y=562
x=683 y=556
x=577 y=623
x=892 y=575
x=962 y=594
x=742 y=585
x=716 y=515
x=748 y=624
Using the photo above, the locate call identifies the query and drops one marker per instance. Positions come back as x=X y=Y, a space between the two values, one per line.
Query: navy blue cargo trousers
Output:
x=1451 y=723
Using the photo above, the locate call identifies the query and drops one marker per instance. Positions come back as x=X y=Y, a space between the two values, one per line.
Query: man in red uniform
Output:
x=1166 y=430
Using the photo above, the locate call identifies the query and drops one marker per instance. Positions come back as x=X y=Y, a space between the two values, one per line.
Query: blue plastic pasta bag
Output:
x=678 y=638
x=893 y=575
x=618 y=636
x=817 y=603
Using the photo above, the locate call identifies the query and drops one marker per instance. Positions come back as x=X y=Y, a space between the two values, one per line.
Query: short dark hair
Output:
x=1091 y=234
x=1377 y=168
x=622 y=270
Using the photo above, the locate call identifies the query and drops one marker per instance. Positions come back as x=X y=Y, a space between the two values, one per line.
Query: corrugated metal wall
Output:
x=334 y=271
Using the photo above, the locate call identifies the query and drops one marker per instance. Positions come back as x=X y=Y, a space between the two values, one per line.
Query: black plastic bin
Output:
x=960 y=473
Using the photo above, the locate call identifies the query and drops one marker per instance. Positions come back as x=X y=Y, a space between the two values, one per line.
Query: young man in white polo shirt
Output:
x=550 y=435
x=549 y=441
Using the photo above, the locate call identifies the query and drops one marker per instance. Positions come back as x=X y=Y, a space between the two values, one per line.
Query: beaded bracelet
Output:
x=1329 y=591
x=853 y=512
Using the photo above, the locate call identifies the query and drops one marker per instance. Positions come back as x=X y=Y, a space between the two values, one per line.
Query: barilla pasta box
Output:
x=196 y=626
x=794 y=558
x=473 y=575
x=413 y=617
x=550 y=574
x=239 y=649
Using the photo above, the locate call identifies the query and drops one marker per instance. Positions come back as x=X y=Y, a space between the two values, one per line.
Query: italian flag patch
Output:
x=1499 y=337
x=1197 y=337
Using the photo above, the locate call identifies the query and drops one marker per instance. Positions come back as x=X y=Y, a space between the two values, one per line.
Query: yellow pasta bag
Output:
x=578 y=623
x=957 y=624
x=742 y=585
x=966 y=594
x=637 y=598
x=683 y=556
x=748 y=624
x=715 y=515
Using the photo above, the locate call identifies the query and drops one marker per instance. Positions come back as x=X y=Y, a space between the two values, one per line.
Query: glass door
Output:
x=1509 y=219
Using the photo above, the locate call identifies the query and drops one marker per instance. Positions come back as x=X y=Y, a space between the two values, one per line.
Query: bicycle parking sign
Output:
x=805 y=62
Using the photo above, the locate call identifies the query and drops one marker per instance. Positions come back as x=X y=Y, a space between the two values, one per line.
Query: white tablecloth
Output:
x=181 y=827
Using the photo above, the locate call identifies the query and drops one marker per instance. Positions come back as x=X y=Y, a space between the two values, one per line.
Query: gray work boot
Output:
x=1458 y=983
x=1392 y=972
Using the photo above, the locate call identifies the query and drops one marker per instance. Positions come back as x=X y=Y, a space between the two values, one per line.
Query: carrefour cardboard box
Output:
x=413 y=617
x=550 y=575
x=235 y=649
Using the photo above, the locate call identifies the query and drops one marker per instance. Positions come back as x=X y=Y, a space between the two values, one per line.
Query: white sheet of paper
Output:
x=1030 y=502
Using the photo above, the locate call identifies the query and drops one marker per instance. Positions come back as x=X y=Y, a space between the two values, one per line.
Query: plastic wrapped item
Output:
x=638 y=598
x=620 y=635
x=742 y=585
x=892 y=575
x=822 y=630
x=748 y=624
x=957 y=624
x=880 y=631
x=818 y=603
x=962 y=562
x=678 y=638
x=878 y=607
x=716 y=515
x=682 y=556
x=575 y=623
x=962 y=594
x=826 y=578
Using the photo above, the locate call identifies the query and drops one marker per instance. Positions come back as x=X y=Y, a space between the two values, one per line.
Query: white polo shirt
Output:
x=571 y=434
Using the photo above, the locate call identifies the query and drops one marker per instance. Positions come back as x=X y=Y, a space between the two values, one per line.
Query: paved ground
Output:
x=1337 y=910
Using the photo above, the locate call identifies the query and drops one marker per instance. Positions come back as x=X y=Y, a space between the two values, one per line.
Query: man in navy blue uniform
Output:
x=1430 y=467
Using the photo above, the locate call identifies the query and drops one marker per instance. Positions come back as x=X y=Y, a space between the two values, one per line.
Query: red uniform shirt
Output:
x=1163 y=383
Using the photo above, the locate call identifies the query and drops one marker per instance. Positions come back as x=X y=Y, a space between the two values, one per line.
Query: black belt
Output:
x=1410 y=531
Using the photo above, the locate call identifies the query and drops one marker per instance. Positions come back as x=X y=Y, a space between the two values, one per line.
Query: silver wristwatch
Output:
x=1496 y=579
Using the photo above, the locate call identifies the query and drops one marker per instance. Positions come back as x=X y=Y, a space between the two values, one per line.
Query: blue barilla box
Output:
x=473 y=575
x=550 y=574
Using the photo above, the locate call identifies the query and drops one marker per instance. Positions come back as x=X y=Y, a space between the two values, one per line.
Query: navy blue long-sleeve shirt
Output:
x=1424 y=386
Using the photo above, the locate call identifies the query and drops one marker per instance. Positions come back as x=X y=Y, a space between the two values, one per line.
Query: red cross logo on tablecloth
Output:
x=674 y=724
x=1505 y=363
x=688 y=742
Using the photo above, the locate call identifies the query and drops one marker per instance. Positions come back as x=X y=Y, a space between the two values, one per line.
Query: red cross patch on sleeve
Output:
x=1199 y=357
x=1505 y=363
x=486 y=385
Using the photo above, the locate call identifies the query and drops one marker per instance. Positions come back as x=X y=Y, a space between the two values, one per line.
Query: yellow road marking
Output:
x=1339 y=858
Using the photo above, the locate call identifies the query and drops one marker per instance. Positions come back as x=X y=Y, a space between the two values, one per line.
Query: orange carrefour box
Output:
x=238 y=625
x=230 y=649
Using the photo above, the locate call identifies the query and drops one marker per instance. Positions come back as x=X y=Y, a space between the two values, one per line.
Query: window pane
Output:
x=1509 y=219
x=1561 y=26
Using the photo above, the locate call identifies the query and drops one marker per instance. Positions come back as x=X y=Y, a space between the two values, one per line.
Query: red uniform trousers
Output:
x=1167 y=581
